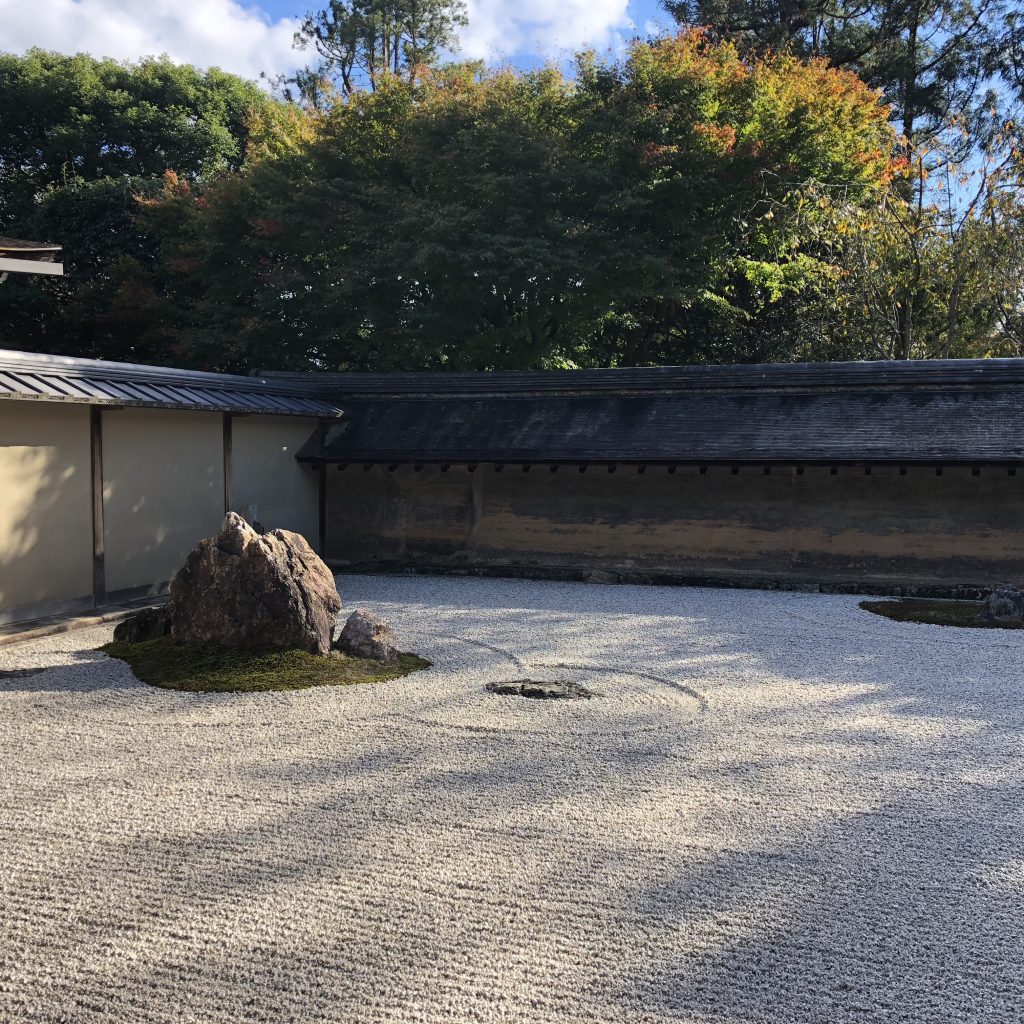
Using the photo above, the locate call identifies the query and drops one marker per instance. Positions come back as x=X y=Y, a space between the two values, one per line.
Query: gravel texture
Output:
x=778 y=808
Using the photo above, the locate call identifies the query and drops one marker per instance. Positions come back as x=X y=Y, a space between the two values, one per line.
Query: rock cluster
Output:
x=253 y=590
x=1004 y=605
x=367 y=636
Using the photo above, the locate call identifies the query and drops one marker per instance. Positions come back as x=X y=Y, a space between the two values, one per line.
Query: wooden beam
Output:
x=322 y=511
x=99 y=569
x=9 y=266
x=228 y=447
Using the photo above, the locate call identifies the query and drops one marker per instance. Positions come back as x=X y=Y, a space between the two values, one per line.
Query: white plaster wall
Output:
x=45 y=507
x=266 y=482
x=163 y=491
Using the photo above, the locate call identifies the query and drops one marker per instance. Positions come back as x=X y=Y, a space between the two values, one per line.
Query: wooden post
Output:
x=322 y=503
x=99 y=572
x=227 y=462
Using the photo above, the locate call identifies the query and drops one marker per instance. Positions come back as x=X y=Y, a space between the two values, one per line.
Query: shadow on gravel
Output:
x=911 y=912
x=20 y=673
x=83 y=678
x=377 y=877
x=848 y=852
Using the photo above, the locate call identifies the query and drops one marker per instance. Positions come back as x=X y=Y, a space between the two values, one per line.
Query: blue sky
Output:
x=536 y=26
x=253 y=36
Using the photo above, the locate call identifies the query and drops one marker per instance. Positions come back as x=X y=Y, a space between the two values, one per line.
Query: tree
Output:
x=82 y=140
x=361 y=42
x=78 y=117
x=480 y=220
x=939 y=64
x=933 y=59
x=927 y=271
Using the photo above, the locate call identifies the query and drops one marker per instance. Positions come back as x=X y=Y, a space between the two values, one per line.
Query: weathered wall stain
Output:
x=883 y=527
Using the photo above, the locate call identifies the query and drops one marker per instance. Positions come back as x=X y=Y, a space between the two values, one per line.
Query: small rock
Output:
x=147 y=624
x=367 y=636
x=1004 y=604
x=538 y=689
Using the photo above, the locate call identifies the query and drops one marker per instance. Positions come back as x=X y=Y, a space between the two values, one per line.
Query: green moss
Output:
x=211 y=669
x=935 y=613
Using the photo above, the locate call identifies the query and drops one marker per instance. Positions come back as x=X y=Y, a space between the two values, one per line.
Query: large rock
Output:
x=143 y=625
x=247 y=590
x=1005 y=605
x=367 y=636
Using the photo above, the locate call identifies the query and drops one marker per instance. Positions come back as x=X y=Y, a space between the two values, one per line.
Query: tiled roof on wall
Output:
x=952 y=411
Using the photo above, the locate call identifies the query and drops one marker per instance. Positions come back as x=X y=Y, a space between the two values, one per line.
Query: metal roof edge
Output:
x=29 y=376
x=78 y=367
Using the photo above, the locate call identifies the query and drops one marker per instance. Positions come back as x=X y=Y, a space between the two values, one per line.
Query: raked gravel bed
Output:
x=778 y=808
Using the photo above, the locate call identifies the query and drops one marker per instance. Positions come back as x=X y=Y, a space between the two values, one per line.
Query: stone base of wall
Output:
x=867 y=588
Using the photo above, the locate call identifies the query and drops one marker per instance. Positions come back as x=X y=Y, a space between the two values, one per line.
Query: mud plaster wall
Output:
x=882 y=528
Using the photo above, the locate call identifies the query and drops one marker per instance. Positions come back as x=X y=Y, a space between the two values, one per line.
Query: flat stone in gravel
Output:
x=781 y=810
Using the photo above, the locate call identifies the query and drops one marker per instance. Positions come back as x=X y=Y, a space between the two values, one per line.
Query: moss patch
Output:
x=211 y=669
x=935 y=613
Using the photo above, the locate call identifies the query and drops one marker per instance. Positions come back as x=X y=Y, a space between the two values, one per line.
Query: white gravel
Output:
x=782 y=809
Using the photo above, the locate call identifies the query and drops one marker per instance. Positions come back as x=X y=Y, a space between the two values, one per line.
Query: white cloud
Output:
x=542 y=28
x=244 y=40
x=208 y=33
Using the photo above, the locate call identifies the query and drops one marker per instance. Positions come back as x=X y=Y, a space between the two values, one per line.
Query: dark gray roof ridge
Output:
x=925 y=373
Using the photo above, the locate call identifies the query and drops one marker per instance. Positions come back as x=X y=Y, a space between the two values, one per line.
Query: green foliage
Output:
x=930 y=58
x=931 y=266
x=104 y=306
x=482 y=220
x=697 y=200
x=67 y=118
x=199 y=668
x=82 y=140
